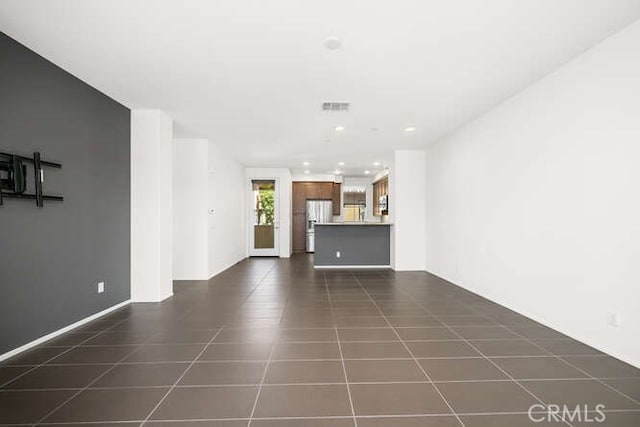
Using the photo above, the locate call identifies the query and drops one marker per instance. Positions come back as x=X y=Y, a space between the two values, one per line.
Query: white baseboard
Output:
x=150 y=301
x=225 y=267
x=571 y=334
x=47 y=337
x=371 y=267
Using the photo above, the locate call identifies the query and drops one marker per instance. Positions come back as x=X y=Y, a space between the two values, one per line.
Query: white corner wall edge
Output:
x=406 y=207
x=54 y=334
x=151 y=206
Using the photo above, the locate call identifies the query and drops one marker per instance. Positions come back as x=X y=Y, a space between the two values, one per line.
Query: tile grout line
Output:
x=172 y=387
x=484 y=356
x=344 y=368
x=221 y=385
x=34 y=367
x=561 y=357
x=575 y=367
x=163 y=398
x=111 y=368
x=345 y=417
x=538 y=356
x=266 y=366
x=415 y=360
x=320 y=417
x=118 y=363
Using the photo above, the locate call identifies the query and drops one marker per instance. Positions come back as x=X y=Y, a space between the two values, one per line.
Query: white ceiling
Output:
x=251 y=74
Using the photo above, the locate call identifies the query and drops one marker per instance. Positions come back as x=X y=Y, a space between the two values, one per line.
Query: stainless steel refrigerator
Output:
x=318 y=211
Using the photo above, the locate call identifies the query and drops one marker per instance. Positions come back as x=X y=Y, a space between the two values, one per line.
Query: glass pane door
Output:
x=264 y=224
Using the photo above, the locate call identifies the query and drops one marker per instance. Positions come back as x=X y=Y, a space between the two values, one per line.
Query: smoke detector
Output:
x=332 y=43
x=335 y=106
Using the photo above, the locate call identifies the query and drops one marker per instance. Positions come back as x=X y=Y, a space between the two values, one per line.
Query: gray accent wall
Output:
x=52 y=258
x=358 y=245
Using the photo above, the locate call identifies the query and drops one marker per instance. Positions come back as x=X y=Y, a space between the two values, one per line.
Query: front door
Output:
x=263 y=215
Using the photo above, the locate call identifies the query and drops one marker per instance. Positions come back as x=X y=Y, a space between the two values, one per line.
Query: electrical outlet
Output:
x=100 y=287
x=338 y=254
x=613 y=319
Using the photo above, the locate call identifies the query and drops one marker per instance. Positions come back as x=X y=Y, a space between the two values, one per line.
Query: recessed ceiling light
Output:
x=409 y=129
x=305 y=163
x=367 y=172
x=307 y=171
x=339 y=128
x=376 y=163
x=340 y=163
x=337 y=172
x=332 y=43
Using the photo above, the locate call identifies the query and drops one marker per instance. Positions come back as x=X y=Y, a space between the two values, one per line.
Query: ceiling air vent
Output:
x=335 y=106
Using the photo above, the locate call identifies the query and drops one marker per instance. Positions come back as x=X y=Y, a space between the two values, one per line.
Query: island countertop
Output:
x=352 y=223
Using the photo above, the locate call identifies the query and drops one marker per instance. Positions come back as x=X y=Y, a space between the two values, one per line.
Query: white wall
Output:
x=190 y=209
x=315 y=177
x=283 y=176
x=151 y=205
x=209 y=226
x=536 y=205
x=406 y=209
x=226 y=220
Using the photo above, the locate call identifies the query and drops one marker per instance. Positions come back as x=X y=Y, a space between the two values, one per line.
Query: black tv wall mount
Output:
x=13 y=178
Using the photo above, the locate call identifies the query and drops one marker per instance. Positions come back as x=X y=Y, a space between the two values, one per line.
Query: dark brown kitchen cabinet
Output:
x=380 y=188
x=327 y=191
x=298 y=232
x=299 y=197
x=301 y=192
x=337 y=189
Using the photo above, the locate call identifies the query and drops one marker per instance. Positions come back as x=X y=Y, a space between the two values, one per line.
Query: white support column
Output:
x=151 y=206
x=407 y=209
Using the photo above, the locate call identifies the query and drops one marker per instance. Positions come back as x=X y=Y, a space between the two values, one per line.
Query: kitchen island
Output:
x=353 y=245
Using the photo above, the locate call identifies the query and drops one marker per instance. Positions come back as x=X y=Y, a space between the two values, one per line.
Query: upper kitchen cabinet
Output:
x=325 y=190
x=355 y=198
x=299 y=197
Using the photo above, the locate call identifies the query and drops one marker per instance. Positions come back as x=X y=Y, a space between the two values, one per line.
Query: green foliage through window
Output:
x=266 y=210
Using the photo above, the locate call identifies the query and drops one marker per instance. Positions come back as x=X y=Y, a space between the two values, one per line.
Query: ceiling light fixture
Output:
x=305 y=163
x=339 y=128
x=307 y=171
x=337 y=172
x=340 y=163
x=376 y=163
x=367 y=172
x=409 y=129
x=332 y=43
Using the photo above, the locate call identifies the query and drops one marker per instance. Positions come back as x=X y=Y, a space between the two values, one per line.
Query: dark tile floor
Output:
x=273 y=343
